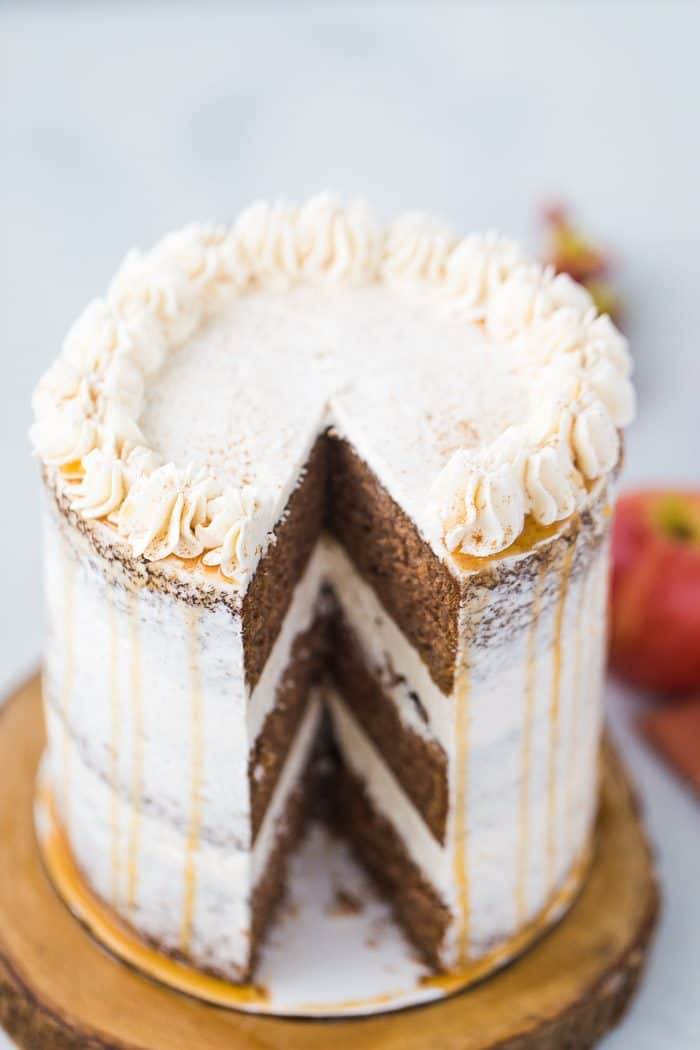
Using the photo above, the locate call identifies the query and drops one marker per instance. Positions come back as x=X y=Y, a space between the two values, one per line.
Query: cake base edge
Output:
x=43 y=1003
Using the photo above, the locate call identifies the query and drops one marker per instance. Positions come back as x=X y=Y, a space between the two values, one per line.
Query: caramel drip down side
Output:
x=554 y=909
x=526 y=750
x=137 y=755
x=196 y=773
x=68 y=668
x=463 y=716
x=124 y=942
x=461 y=845
x=121 y=938
x=580 y=680
x=115 y=746
x=555 y=715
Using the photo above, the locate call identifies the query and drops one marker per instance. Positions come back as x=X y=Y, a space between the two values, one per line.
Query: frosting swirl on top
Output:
x=482 y=507
x=89 y=404
x=163 y=512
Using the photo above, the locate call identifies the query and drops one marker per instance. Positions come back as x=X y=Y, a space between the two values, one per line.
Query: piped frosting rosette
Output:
x=581 y=396
x=88 y=405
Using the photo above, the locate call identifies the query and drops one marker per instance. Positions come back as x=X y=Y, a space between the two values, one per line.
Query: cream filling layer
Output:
x=388 y=653
x=298 y=619
x=389 y=799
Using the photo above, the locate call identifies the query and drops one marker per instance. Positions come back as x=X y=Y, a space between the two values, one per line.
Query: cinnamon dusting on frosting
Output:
x=88 y=406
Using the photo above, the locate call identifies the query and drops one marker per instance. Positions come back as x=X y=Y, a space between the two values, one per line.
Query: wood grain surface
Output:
x=60 y=991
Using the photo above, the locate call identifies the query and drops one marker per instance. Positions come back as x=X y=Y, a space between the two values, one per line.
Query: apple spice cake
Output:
x=307 y=472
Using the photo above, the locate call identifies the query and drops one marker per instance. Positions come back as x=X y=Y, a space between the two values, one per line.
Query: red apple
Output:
x=570 y=251
x=655 y=602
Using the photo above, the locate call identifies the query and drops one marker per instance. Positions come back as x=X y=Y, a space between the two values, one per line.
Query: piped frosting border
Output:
x=87 y=406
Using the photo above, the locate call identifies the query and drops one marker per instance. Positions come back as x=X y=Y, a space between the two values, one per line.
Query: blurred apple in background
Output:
x=569 y=250
x=655 y=601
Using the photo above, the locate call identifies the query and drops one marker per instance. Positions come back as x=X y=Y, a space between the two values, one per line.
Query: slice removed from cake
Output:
x=308 y=464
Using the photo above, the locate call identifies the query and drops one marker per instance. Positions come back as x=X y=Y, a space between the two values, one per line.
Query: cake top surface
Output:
x=479 y=387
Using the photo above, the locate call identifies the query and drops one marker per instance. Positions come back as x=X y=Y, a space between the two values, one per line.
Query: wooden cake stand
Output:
x=60 y=991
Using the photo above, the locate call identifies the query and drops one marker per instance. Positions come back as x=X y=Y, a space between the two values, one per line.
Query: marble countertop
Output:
x=119 y=121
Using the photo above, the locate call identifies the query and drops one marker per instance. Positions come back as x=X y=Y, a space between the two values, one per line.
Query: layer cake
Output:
x=326 y=509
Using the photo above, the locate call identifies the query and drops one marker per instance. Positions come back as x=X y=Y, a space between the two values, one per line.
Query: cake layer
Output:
x=276 y=704
x=416 y=905
x=291 y=775
x=270 y=747
x=387 y=652
x=271 y=885
x=411 y=582
x=303 y=609
x=267 y=599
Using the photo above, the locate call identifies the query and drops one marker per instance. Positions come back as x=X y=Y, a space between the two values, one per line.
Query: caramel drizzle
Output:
x=531 y=536
x=137 y=758
x=119 y=937
x=461 y=868
x=197 y=741
x=463 y=714
x=556 y=906
x=68 y=674
x=598 y=634
x=554 y=713
x=580 y=677
x=123 y=941
x=526 y=751
x=115 y=709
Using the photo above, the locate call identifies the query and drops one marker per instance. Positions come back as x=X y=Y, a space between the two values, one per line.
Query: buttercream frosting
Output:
x=92 y=406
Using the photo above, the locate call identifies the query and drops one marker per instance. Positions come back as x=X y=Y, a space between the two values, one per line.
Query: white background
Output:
x=118 y=121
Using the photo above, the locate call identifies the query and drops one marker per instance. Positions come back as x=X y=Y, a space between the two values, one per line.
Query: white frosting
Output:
x=479 y=386
x=481 y=507
x=595 y=440
x=125 y=674
x=164 y=512
x=552 y=482
x=102 y=488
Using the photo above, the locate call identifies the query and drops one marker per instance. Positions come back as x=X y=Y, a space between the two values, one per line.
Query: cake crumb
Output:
x=345 y=903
